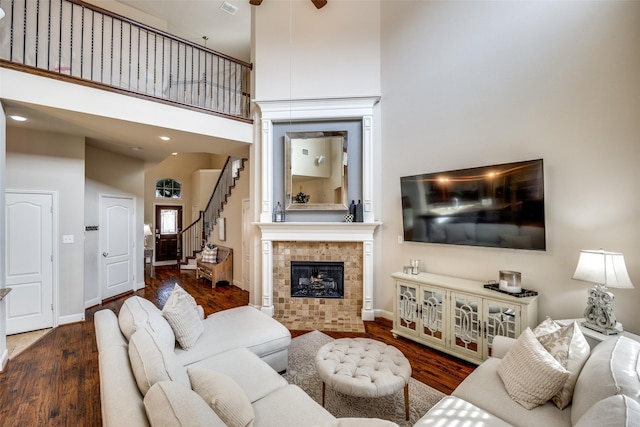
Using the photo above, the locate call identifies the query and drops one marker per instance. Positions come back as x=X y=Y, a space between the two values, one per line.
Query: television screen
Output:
x=497 y=206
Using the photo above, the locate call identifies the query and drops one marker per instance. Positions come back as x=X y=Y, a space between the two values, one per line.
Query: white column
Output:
x=267 y=170
x=367 y=168
x=267 y=277
x=367 y=280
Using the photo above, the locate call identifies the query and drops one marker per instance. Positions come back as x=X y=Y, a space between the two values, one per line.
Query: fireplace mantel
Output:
x=318 y=232
x=274 y=111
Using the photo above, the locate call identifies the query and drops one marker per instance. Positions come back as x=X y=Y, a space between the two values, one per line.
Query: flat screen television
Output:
x=495 y=206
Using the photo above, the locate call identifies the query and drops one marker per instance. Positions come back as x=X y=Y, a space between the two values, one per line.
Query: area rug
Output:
x=302 y=372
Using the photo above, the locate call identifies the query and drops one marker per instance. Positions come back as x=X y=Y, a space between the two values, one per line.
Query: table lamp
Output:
x=604 y=269
x=147 y=232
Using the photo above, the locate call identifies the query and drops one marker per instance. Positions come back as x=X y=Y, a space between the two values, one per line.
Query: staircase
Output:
x=192 y=239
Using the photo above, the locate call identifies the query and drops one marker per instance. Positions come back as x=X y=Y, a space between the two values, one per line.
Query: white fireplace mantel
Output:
x=318 y=232
x=273 y=111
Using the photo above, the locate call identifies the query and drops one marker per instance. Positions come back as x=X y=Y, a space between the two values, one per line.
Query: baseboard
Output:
x=91 y=303
x=383 y=313
x=73 y=318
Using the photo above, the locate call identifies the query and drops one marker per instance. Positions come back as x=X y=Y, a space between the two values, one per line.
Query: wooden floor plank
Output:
x=55 y=382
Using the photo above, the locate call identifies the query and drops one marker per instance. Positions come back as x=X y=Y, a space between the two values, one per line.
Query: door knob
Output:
x=105 y=254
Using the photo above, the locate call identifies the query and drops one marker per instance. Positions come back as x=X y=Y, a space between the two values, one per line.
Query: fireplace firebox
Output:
x=317 y=279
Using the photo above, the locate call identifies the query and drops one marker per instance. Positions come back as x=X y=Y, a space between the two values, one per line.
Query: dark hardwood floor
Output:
x=56 y=382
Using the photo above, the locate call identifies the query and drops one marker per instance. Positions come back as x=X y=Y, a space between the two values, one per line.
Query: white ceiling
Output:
x=189 y=19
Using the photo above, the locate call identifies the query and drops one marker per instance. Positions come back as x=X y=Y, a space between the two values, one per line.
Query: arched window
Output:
x=168 y=188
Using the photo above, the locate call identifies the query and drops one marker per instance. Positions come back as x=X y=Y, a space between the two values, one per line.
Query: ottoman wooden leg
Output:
x=324 y=388
x=406 y=401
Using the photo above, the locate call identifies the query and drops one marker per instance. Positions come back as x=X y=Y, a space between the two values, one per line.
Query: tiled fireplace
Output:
x=350 y=243
x=316 y=312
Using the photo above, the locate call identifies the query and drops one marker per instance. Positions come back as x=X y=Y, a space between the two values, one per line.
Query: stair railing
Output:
x=75 y=41
x=192 y=239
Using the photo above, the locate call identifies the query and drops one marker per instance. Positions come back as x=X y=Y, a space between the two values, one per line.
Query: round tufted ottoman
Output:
x=363 y=367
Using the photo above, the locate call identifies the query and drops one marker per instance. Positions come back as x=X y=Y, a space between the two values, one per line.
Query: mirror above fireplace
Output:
x=316 y=170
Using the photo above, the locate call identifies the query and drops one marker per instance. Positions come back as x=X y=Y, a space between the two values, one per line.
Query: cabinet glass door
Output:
x=407 y=307
x=466 y=324
x=432 y=326
x=501 y=319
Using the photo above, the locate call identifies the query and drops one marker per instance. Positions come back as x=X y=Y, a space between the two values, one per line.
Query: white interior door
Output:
x=116 y=244
x=29 y=264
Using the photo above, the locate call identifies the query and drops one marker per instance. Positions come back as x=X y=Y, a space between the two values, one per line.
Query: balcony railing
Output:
x=77 y=41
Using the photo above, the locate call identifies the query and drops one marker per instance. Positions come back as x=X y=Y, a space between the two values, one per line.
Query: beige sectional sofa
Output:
x=228 y=377
x=606 y=393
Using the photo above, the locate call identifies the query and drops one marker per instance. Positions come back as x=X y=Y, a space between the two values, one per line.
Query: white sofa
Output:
x=607 y=393
x=229 y=376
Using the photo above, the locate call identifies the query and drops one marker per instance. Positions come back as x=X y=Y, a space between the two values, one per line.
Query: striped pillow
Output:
x=531 y=375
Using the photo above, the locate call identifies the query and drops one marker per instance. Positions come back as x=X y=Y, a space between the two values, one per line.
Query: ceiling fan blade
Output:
x=255 y=2
x=319 y=4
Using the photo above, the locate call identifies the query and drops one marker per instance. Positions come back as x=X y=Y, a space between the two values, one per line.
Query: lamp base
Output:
x=604 y=331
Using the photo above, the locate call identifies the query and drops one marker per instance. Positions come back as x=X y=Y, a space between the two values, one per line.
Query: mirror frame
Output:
x=288 y=178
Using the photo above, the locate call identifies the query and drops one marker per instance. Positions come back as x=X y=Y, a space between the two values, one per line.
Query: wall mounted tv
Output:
x=497 y=206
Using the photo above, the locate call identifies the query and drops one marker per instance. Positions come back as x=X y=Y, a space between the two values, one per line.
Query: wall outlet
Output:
x=67 y=238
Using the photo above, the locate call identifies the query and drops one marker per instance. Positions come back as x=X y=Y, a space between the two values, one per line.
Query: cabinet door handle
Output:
x=105 y=254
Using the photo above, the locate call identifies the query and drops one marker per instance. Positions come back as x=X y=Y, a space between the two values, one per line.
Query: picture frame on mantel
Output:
x=222 y=232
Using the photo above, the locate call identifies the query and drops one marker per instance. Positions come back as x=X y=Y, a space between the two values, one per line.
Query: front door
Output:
x=168 y=225
x=116 y=245
x=29 y=261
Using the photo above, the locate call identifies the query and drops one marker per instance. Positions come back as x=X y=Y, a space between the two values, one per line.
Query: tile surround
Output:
x=318 y=313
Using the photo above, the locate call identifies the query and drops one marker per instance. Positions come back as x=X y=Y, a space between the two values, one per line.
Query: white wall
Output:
x=110 y=174
x=303 y=52
x=54 y=162
x=477 y=83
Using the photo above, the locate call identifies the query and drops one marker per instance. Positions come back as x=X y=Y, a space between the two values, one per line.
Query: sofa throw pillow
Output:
x=223 y=395
x=138 y=313
x=547 y=326
x=569 y=347
x=181 y=311
x=210 y=255
x=152 y=361
x=530 y=374
x=170 y=404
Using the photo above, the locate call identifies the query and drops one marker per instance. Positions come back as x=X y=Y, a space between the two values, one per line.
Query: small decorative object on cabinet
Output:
x=458 y=316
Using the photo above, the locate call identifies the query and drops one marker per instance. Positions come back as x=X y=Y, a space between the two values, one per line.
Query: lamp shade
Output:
x=147 y=230
x=1 y=13
x=604 y=268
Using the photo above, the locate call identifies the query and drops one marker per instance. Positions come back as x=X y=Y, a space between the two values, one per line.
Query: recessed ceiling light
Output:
x=18 y=118
x=136 y=148
x=229 y=8
x=165 y=138
x=174 y=154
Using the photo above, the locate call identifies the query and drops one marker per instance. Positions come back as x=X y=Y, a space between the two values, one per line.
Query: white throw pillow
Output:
x=530 y=374
x=569 y=347
x=546 y=327
x=170 y=404
x=139 y=313
x=223 y=395
x=152 y=361
x=181 y=311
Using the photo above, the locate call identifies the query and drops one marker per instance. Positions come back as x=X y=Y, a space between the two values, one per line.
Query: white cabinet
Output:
x=458 y=316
